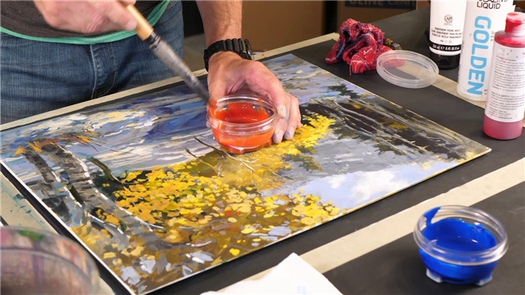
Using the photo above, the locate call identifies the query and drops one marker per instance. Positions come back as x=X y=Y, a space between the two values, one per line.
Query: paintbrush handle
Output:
x=143 y=29
x=166 y=54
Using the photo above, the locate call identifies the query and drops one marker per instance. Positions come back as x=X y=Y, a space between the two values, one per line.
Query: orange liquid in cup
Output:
x=242 y=126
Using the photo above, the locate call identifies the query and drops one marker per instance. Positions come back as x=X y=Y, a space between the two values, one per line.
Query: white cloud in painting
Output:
x=356 y=189
x=56 y=124
x=336 y=180
x=98 y=120
x=79 y=123
x=379 y=182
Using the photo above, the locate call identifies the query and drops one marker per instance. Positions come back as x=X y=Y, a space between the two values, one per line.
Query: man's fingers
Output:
x=294 y=120
x=127 y=2
x=87 y=16
x=117 y=14
x=280 y=129
x=262 y=80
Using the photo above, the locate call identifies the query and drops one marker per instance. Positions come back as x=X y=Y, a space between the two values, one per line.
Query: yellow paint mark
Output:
x=247 y=230
x=136 y=252
x=20 y=150
x=334 y=211
x=307 y=221
x=117 y=262
x=132 y=175
x=235 y=252
x=34 y=147
x=108 y=255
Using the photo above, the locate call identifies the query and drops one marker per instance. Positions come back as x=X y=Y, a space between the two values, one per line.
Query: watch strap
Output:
x=240 y=46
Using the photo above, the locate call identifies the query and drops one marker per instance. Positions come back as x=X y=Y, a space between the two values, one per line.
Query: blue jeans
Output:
x=37 y=77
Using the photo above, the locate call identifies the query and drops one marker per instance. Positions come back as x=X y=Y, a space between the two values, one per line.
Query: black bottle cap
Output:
x=445 y=62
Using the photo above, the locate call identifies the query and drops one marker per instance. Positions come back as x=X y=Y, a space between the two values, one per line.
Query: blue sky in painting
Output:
x=155 y=129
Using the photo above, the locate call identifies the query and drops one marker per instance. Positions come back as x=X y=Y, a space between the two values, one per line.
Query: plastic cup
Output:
x=460 y=245
x=38 y=262
x=242 y=122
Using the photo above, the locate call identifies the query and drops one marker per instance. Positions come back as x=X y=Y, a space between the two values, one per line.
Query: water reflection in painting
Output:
x=143 y=184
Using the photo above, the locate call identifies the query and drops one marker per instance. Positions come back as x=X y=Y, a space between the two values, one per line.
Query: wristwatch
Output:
x=240 y=46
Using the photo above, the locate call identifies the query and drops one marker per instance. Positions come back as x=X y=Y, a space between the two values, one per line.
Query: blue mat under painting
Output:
x=143 y=185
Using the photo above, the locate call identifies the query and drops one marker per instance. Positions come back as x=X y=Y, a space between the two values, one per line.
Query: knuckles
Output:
x=58 y=15
x=95 y=24
x=52 y=12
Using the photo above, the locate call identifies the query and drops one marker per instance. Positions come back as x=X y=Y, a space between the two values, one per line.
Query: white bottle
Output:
x=483 y=19
x=447 y=18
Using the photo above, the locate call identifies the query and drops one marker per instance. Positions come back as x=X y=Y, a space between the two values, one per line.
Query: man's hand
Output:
x=87 y=16
x=228 y=73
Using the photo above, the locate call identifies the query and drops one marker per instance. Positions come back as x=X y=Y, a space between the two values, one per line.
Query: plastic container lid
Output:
x=407 y=69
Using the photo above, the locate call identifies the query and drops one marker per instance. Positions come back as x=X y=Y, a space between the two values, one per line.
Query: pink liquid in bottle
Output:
x=506 y=92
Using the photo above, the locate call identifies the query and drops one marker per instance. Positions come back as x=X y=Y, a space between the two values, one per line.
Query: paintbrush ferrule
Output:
x=153 y=41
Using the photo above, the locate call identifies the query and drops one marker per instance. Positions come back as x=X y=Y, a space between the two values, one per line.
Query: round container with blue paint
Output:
x=460 y=245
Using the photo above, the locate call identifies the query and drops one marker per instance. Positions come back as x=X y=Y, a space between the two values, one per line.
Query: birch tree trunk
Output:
x=54 y=194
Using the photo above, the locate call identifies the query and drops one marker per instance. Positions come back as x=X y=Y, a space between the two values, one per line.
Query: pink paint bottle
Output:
x=506 y=91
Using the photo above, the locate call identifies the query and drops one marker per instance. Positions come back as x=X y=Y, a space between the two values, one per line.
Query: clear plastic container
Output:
x=460 y=245
x=407 y=69
x=39 y=262
x=242 y=122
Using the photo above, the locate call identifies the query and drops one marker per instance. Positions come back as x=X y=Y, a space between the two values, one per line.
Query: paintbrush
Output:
x=166 y=53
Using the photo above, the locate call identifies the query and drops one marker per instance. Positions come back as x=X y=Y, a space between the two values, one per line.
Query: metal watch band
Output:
x=240 y=46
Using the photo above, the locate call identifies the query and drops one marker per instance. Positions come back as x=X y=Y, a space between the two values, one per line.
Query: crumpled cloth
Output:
x=359 y=44
x=292 y=276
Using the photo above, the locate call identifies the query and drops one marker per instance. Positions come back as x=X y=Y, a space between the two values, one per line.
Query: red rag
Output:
x=359 y=45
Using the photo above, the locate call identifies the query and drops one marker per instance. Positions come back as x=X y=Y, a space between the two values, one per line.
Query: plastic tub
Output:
x=243 y=122
x=407 y=69
x=460 y=245
x=38 y=262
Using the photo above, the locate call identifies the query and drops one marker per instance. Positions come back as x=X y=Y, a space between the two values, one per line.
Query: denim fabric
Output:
x=37 y=77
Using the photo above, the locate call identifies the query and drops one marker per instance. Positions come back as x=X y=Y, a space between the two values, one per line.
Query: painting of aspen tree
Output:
x=142 y=183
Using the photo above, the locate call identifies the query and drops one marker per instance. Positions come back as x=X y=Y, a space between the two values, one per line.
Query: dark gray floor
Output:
x=193 y=51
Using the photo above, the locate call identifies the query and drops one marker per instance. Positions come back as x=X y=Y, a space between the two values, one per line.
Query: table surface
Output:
x=371 y=251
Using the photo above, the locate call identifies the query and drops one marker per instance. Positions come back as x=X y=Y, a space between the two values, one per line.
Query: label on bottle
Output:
x=483 y=19
x=447 y=18
x=506 y=92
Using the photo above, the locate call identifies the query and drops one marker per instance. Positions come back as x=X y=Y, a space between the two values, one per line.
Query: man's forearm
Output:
x=222 y=19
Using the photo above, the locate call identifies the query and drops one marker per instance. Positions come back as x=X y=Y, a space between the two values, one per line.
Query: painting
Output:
x=143 y=185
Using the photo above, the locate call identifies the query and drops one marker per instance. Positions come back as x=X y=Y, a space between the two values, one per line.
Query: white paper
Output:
x=292 y=276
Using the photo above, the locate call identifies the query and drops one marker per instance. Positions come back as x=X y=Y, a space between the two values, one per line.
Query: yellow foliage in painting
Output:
x=108 y=255
x=223 y=200
x=112 y=219
x=132 y=175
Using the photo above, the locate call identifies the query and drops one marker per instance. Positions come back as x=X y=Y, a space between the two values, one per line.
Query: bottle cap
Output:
x=515 y=23
x=445 y=62
x=407 y=69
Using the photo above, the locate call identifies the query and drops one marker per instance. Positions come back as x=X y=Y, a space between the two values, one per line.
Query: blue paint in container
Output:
x=460 y=245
